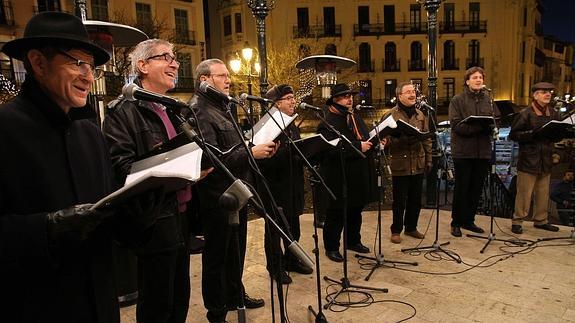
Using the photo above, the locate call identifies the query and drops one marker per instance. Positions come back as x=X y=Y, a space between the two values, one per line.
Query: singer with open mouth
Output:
x=470 y=148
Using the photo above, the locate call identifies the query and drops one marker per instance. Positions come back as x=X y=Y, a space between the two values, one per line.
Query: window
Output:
x=331 y=49
x=48 y=5
x=390 y=62
x=559 y=48
x=389 y=19
x=363 y=18
x=473 y=56
x=416 y=62
x=6 y=13
x=523 y=52
x=365 y=58
x=238 y=21
x=303 y=21
x=524 y=16
x=521 y=84
x=449 y=16
x=449 y=88
x=390 y=86
x=474 y=15
x=418 y=83
x=415 y=17
x=185 y=76
x=143 y=13
x=227 y=25
x=182 y=28
x=329 y=20
x=365 y=92
x=449 y=54
x=100 y=10
x=5 y=66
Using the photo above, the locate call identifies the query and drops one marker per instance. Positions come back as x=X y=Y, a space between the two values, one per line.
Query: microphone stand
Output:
x=442 y=167
x=315 y=178
x=344 y=281
x=492 y=196
x=379 y=259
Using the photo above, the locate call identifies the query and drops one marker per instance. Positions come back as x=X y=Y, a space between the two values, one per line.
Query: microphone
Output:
x=361 y=106
x=245 y=96
x=305 y=106
x=484 y=87
x=214 y=93
x=133 y=92
x=559 y=99
x=423 y=104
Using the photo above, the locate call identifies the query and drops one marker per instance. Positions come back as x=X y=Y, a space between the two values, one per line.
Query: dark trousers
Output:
x=272 y=241
x=406 y=202
x=470 y=176
x=334 y=225
x=164 y=286
x=221 y=270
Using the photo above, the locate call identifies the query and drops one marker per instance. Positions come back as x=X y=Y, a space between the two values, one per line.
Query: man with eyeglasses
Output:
x=285 y=176
x=55 y=253
x=133 y=128
x=221 y=270
x=534 y=163
x=410 y=158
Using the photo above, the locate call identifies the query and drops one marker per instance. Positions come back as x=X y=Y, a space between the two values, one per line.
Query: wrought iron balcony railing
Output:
x=317 y=31
x=463 y=27
x=391 y=65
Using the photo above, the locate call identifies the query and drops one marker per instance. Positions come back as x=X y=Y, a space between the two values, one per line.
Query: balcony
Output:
x=450 y=64
x=389 y=29
x=366 y=66
x=7 y=14
x=463 y=27
x=416 y=65
x=391 y=65
x=185 y=37
x=184 y=84
x=317 y=31
x=470 y=62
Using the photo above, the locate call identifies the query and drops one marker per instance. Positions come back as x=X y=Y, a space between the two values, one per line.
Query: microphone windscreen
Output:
x=204 y=86
x=128 y=91
x=244 y=96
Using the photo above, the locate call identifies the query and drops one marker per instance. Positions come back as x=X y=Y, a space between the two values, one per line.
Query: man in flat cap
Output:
x=55 y=252
x=285 y=176
x=534 y=164
x=360 y=178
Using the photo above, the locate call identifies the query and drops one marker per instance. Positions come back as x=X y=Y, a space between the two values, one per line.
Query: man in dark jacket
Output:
x=410 y=158
x=470 y=149
x=221 y=268
x=132 y=129
x=561 y=194
x=285 y=176
x=360 y=178
x=534 y=163
x=55 y=256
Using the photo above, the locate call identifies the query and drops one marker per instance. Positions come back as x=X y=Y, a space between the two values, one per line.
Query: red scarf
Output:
x=351 y=122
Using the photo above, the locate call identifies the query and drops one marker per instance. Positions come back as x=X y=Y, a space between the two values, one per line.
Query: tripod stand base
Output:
x=319 y=317
x=345 y=286
x=491 y=237
x=380 y=262
x=436 y=246
x=572 y=236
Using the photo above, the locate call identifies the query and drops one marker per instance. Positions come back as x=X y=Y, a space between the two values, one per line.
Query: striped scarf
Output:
x=357 y=127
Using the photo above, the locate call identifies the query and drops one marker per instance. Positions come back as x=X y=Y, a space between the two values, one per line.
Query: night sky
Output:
x=558 y=19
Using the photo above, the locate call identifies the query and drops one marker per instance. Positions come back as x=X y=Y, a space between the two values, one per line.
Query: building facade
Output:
x=388 y=40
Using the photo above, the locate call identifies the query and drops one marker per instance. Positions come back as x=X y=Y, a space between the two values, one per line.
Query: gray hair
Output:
x=400 y=87
x=144 y=50
x=204 y=68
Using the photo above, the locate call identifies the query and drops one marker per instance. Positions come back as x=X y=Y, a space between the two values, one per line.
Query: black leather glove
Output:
x=74 y=223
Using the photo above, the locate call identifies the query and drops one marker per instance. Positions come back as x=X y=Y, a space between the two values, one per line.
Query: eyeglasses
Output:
x=408 y=92
x=224 y=75
x=347 y=95
x=165 y=56
x=84 y=67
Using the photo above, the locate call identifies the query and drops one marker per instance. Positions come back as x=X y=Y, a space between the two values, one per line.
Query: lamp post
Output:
x=260 y=10
x=325 y=69
x=245 y=65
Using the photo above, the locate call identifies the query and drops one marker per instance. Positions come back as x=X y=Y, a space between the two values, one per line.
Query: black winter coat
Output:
x=534 y=152
x=468 y=140
x=50 y=161
x=359 y=172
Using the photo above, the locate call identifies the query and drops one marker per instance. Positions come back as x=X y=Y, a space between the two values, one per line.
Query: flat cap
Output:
x=542 y=86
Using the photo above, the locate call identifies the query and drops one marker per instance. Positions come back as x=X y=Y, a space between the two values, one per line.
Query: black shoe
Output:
x=253 y=302
x=456 y=231
x=358 y=248
x=298 y=267
x=547 y=227
x=473 y=227
x=334 y=256
x=196 y=245
x=284 y=278
x=319 y=224
x=516 y=228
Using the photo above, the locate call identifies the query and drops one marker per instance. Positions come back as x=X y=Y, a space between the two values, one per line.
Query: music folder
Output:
x=171 y=170
x=555 y=130
x=484 y=121
x=384 y=128
x=408 y=130
x=313 y=145
x=266 y=129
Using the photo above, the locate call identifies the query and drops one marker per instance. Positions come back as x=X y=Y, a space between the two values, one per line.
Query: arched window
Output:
x=365 y=58
x=474 y=58
x=449 y=55
x=416 y=62
x=390 y=62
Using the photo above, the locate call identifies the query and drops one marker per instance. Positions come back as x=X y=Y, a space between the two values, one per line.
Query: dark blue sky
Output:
x=559 y=19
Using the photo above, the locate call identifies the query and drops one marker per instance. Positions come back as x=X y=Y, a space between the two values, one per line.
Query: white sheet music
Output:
x=387 y=122
x=267 y=130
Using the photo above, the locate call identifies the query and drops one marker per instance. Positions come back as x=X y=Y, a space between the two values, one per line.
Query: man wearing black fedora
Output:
x=360 y=176
x=55 y=253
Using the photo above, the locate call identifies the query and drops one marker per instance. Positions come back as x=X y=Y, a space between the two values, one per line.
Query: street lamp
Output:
x=246 y=66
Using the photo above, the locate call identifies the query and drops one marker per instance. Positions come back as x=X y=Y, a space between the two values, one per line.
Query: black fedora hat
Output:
x=55 y=29
x=339 y=90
